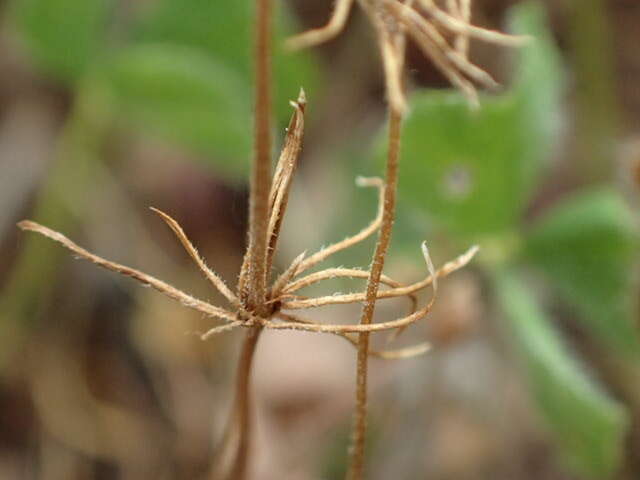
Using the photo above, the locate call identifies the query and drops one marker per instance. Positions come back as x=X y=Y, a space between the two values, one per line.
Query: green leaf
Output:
x=188 y=97
x=465 y=168
x=588 y=425
x=588 y=245
x=223 y=29
x=64 y=36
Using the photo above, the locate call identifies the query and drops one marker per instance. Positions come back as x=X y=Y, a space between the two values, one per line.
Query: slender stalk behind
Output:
x=359 y=429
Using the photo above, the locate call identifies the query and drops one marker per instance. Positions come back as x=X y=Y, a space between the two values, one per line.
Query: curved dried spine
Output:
x=222 y=328
x=395 y=354
x=286 y=277
x=445 y=270
x=320 y=35
x=331 y=273
x=164 y=288
x=215 y=280
x=358 y=237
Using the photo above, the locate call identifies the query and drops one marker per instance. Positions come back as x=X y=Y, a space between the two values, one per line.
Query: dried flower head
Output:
x=428 y=25
x=282 y=295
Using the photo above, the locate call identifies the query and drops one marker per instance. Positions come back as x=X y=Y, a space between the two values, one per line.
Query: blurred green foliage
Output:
x=182 y=70
x=64 y=36
x=586 y=246
x=588 y=425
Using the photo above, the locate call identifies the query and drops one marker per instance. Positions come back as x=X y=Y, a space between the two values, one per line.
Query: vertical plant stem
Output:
x=232 y=463
x=261 y=166
x=359 y=428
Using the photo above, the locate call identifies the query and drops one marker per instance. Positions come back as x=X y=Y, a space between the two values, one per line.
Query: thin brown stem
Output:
x=359 y=428
x=252 y=285
x=232 y=463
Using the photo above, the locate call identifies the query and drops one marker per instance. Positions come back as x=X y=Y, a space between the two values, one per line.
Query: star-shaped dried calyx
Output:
x=282 y=294
x=428 y=25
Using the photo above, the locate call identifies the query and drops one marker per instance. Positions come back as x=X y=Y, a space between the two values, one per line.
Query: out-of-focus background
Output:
x=108 y=107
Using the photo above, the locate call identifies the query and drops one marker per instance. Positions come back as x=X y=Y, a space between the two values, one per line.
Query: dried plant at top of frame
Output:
x=429 y=25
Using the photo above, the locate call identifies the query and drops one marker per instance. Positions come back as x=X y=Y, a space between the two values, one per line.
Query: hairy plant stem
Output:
x=231 y=463
x=253 y=277
x=359 y=428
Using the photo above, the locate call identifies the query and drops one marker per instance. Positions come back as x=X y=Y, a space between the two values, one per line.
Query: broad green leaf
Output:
x=588 y=426
x=188 y=97
x=64 y=36
x=588 y=246
x=223 y=29
x=465 y=168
